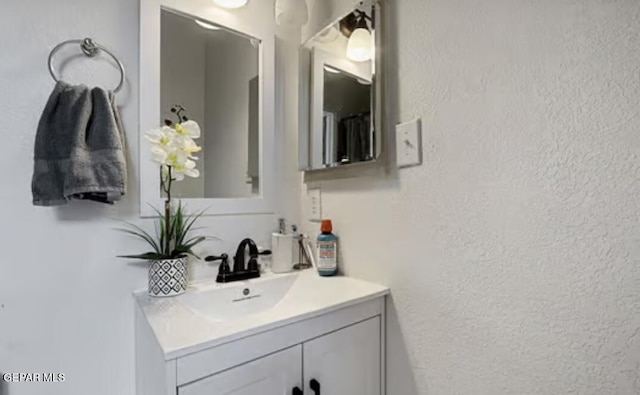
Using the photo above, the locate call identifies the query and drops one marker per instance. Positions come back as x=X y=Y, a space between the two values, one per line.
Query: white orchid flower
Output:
x=188 y=169
x=159 y=155
x=177 y=158
x=162 y=137
x=188 y=128
x=173 y=147
x=190 y=147
x=162 y=141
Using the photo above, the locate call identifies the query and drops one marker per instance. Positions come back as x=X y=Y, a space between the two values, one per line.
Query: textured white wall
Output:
x=65 y=303
x=513 y=253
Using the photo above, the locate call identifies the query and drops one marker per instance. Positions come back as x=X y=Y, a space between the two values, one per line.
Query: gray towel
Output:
x=79 y=149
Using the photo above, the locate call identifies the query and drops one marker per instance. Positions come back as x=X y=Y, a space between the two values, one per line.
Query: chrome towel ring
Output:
x=91 y=49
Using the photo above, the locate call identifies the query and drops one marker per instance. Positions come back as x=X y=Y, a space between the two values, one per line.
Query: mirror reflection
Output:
x=343 y=90
x=214 y=74
x=346 y=118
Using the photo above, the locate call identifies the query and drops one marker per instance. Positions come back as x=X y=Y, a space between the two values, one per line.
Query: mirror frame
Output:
x=309 y=97
x=150 y=112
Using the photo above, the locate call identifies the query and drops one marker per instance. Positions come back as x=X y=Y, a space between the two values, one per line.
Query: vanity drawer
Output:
x=346 y=361
x=208 y=362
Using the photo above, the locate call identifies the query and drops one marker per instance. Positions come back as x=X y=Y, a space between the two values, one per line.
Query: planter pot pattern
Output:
x=168 y=277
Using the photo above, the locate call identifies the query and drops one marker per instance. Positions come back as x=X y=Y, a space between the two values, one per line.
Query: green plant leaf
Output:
x=186 y=247
x=162 y=233
x=139 y=232
x=177 y=224
x=184 y=251
x=189 y=225
x=151 y=256
x=179 y=251
x=192 y=243
x=195 y=240
x=156 y=210
x=169 y=243
x=159 y=227
x=156 y=229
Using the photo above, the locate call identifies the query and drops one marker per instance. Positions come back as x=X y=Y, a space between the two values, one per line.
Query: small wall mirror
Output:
x=218 y=66
x=344 y=96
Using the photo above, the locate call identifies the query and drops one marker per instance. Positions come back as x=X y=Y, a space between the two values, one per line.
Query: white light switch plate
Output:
x=409 y=144
x=315 y=204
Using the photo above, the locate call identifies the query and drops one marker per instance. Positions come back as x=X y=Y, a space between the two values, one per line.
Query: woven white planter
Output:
x=168 y=277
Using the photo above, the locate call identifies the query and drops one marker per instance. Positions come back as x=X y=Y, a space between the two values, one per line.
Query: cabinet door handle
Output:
x=315 y=386
x=297 y=391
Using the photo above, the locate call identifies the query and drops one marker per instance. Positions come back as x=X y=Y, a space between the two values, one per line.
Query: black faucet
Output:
x=238 y=260
x=240 y=271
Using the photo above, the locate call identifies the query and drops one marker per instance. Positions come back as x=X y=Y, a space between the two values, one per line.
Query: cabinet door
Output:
x=346 y=362
x=276 y=374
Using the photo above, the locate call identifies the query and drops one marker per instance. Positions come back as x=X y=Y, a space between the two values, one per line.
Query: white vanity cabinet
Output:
x=346 y=361
x=278 y=373
x=332 y=348
x=343 y=362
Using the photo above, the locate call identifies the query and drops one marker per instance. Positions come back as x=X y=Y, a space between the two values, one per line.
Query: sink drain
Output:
x=246 y=291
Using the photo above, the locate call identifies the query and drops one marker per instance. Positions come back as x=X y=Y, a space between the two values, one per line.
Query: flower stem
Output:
x=167 y=213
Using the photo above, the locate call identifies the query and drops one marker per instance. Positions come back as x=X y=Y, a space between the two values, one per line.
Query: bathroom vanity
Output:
x=280 y=334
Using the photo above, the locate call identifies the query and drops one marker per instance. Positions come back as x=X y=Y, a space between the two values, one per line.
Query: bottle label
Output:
x=327 y=255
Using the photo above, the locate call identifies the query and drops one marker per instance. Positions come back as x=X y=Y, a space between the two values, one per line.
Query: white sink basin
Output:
x=223 y=302
x=211 y=314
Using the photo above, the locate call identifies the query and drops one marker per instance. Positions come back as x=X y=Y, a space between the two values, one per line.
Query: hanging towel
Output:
x=79 y=149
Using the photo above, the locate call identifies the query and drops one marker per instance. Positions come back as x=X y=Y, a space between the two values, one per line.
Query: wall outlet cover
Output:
x=409 y=144
x=314 y=204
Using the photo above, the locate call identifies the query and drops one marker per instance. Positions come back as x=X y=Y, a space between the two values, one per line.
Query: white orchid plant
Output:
x=172 y=147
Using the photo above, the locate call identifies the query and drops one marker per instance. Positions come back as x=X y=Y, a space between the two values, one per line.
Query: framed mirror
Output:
x=218 y=66
x=341 y=82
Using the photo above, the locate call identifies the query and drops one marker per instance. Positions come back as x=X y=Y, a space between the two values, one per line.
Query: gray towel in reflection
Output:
x=79 y=149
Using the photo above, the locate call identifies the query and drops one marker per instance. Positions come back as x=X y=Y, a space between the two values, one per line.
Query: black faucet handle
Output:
x=224 y=265
x=224 y=268
x=252 y=266
x=213 y=258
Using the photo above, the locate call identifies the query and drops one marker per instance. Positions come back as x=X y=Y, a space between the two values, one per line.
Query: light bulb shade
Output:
x=291 y=12
x=359 y=46
x=231 y=3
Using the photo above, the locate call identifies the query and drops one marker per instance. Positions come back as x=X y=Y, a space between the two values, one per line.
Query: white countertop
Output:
x=180 y=331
